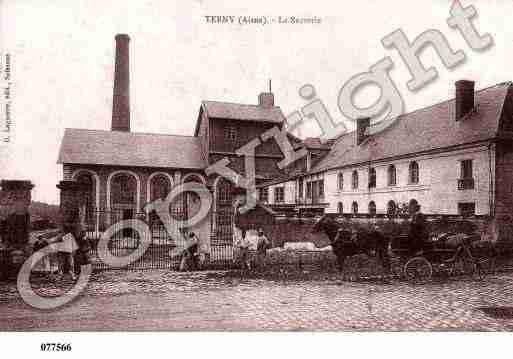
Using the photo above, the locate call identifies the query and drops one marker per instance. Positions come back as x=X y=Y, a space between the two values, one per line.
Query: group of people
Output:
x=70 y=257
x=245 y=245
x=190 y=255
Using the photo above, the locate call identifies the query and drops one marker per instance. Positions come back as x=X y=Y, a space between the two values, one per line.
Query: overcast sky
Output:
x=63 y=60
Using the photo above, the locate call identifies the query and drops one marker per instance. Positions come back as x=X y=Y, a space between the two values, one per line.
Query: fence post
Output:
x=72 y=201
x=15 y=198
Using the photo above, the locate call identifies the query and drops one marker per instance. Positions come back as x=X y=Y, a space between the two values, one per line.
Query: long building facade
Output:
x=453 y=158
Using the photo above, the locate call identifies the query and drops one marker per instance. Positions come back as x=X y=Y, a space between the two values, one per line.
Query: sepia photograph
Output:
x=255 y=167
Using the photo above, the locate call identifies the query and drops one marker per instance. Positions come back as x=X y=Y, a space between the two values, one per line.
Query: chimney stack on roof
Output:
x=362 y=125
x=266 y=99
x=464 y=98
x=121 y=95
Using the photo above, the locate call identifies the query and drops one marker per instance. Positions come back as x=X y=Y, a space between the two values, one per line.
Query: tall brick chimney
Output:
x=464 y=98
x=121 y=95
x=362 y=124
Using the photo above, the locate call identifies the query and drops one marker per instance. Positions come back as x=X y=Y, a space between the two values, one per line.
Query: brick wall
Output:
x=143 y=174
x=246 y=132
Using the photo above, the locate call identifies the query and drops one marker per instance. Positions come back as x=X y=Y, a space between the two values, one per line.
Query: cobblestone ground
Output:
x=164 y=300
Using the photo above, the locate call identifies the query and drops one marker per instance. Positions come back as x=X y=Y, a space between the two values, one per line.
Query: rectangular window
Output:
x=300 y=188
x=354 y=180
x=230 y=133
x=372 y=178
x=466 y=180
x=279 y=194
x=264 y=194
x=308 y=189
x=320 y=183
x=467 y=209
x=466 y=169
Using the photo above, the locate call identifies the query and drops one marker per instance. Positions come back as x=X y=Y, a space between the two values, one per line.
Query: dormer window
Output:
x=230 y=133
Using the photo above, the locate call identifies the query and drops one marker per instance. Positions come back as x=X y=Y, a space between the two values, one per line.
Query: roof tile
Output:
x=422 y=130
x=131 y=149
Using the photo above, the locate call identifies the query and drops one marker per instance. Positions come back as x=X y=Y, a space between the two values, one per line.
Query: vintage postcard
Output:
x=255 y=166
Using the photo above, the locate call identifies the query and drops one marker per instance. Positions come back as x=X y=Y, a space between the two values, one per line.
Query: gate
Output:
x=127 y=241
x=159 y=254
x=221 y=240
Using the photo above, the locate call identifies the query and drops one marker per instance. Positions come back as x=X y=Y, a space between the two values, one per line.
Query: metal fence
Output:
x=221 y=238
x=160 y=253
x=126 y=241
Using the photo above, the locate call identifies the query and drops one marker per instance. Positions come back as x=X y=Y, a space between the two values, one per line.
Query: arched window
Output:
x=340 y=181
x=340 y=207
x=372 y=208
x=414 y=172
x=191 y=200
x=354 y=207
x=355 y=180
x=391 y=208
x=412 y=206
x=159 y=187
x=372 y=178
x=87 y=180
x=392 y=176
x=123 y=191
x=224 y=192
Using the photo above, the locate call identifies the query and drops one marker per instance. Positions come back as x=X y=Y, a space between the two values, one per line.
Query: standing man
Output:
x=190 y=253
x=263 y=244
x=243 y=243
x=67 y=260
x=419 y=234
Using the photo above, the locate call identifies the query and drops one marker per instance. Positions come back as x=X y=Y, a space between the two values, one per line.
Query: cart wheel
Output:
x=418 y=270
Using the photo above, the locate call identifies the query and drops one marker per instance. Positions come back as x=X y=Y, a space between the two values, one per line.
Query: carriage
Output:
x=448 y=254
x=457 y=251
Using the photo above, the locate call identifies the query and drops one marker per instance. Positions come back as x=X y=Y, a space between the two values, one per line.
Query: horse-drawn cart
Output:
x=449 y=254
